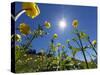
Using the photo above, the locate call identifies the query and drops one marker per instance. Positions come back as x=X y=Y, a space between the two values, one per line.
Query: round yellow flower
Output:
x=94 y=42
x=67 y=41
x=63 y=46
x=75 y=23
x=17 y=37
x=55 y=36
x=59 y=44
x=47 y=24
x=32 y=9
x=24 y=29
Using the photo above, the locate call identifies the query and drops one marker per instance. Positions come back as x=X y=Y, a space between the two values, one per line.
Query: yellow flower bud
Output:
x=94 y=42
x=47 y=24
x=63 y=46
x=59 y=44
x=55 y=36
x=67 y=41
x=17 y=37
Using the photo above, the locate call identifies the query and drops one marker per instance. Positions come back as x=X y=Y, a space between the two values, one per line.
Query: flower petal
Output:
x=32 y=9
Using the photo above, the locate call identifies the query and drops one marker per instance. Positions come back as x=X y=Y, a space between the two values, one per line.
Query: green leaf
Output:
x=83 y=35
x=74 y=50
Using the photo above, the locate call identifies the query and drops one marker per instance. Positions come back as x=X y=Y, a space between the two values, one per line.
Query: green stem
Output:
x=91 y=58
x=20 y=56
x=78 y=43
x=83 y=50
x=71 y=51
x=92 y=46
x=59 y=58
x=27 y=45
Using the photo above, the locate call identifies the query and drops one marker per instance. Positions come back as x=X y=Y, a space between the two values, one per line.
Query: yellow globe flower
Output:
x=24 y=29
x=47 y=24
x=63 y=46
x=94 y=42
x=32 y=9
x=17 y=37
x=55 y=36
x=59 y=44
x=67 y=41
x=75 y=23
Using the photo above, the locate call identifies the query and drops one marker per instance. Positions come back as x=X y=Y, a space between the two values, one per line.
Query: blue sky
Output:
x=87 y=17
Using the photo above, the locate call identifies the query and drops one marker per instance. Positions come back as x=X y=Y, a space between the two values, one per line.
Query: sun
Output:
x=62 y=24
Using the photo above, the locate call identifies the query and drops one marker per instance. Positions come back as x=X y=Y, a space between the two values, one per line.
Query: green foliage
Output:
x=60 y=61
